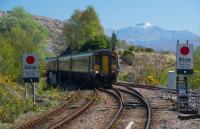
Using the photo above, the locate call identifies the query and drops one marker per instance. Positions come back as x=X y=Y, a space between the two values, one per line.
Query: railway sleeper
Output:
x=133 y=104
x=188 y=116
x=164 y=109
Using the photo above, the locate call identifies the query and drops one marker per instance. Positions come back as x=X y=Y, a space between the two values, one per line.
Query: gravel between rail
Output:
x=134 y=113
x=163 y=109
x=103 y=109
x=49 y=120
x=98 y=115
x=164 y=115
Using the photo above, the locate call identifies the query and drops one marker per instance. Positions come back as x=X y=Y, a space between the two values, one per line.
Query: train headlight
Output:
x=113 y=71
x=96 y=71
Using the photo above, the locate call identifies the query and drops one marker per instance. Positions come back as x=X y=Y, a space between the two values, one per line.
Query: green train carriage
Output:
x=97 y=67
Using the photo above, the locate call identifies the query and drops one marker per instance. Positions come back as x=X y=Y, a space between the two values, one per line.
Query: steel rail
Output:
x=117 y=95
x=146 y=87
x=76 y=113
x=44 y=116
x=150 y=87
x=149 y=110
x=172 y=91
x=143 y=100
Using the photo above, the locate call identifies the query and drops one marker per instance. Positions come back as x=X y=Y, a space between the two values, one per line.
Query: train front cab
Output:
x=106 y=67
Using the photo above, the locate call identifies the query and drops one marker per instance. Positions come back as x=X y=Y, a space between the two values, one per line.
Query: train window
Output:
x=97 y=60
x=113 y=60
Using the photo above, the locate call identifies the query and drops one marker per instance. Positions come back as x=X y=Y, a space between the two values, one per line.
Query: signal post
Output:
x=184 y=67
x=30 y=69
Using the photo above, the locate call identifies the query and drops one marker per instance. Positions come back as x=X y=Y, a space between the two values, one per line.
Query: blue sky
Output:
x=116 y=14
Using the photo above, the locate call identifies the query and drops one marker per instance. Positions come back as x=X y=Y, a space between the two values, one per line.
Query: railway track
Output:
x=146 y=87
x=46 y=120
x=150 y=87
x=138 y=106
x=44 y=117
x=76 y=113
x=164 y=105
x=137 y=100
x=170 y=94
x=115 y=93
x=161 y=107
x=119 y=120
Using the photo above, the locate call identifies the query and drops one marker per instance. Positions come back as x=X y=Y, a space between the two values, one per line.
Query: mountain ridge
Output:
x=149 y=35
x=143 y=34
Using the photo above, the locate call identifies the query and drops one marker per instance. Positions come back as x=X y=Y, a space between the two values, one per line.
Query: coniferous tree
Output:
x=114 y=40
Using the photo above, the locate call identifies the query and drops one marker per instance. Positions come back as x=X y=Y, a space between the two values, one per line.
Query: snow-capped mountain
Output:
x=149 y=35
x=144 y=25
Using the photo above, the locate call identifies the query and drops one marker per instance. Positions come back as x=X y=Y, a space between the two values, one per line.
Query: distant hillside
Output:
x=147 y=66
x=56 y=39
x=148 y=35
x=2 y=13
x=144 y=34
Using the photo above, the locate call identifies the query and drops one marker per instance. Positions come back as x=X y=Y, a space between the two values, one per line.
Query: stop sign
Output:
x=184 y=50
x=30 y=59
x=30 y=67
x=184 y=58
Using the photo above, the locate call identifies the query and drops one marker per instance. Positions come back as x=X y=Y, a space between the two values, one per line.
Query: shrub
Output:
x=11 y=103
x=11 y=107
x=131 y=48
x=149 y=50
x=128 y=57
x=123 y=77
x=151 y=80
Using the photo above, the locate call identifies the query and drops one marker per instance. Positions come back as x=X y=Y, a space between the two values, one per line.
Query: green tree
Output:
x=131 y=48
x=20 y=32
x=128 y=57
x=114 y=40
x=82 y=27
x=99 y=42
x=7 y=61
x=149 y=50
x=195 y=78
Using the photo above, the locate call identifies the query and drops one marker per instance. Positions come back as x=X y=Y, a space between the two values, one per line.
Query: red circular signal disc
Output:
x=184 y=50
x=30 y=59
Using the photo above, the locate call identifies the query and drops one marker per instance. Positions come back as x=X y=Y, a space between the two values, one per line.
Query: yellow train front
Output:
x=105 y=68
x=97 y=67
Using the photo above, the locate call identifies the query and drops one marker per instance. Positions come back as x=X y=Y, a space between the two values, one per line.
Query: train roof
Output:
x=80 y=54
x=51 y=58
x=87 y=53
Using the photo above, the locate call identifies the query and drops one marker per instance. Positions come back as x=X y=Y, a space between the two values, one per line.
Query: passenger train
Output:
x=99 y=67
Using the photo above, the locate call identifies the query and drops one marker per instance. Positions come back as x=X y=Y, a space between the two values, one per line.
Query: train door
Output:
x=105 y=64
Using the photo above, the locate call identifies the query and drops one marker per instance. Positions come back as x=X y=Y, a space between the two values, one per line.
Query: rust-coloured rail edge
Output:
x=43 y=116
x=117 y=95
x=145 y=102
x=145 y=87
x=149 y=110
x=77 y=113
x=150 y=87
